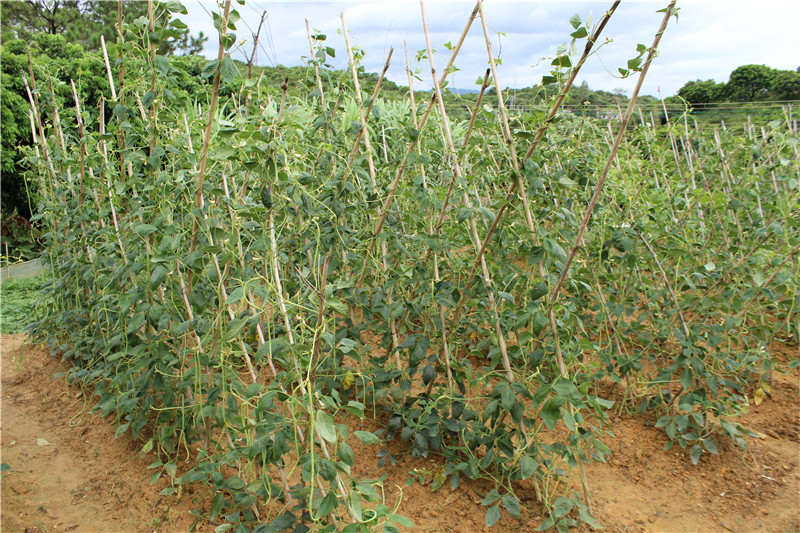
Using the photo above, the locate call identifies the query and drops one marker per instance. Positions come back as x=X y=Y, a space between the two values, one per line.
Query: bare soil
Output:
x=68 y=472
x=84 y=479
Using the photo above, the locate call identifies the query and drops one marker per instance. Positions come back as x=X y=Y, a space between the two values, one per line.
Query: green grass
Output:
x=17 y=301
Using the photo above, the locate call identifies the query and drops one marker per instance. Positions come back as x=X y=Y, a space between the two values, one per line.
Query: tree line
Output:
x=747 y=83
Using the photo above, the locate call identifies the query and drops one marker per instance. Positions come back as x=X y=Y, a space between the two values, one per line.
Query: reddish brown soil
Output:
x=83 y=479
x=86 y=480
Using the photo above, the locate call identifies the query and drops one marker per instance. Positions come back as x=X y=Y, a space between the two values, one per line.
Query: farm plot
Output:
x=265 y=289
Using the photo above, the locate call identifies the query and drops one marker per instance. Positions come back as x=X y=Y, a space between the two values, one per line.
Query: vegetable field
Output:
x=269 y=292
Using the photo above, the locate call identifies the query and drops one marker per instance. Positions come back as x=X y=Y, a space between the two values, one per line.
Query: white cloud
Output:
x=710 y=39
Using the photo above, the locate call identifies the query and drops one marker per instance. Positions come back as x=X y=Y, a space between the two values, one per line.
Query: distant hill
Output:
x=458 y=90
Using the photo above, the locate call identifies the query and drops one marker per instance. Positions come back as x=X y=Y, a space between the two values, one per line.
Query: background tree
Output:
x=84 y=21
x=701 y=92
x=750 y=82
x=21 y=19
x=786 y=85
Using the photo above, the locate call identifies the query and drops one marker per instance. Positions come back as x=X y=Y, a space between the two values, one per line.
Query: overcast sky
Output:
x=708 y=41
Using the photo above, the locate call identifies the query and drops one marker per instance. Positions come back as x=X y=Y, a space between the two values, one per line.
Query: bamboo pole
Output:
x=201 y=174
x=543 y=129
x=620 y=135
x=454 y=159
x=409 y=148
x=108 y=68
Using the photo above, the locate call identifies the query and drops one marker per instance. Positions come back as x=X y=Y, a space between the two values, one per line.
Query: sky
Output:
x=708 y=41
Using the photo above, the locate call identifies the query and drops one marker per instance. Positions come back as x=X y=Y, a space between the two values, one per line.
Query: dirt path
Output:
x=68 y=472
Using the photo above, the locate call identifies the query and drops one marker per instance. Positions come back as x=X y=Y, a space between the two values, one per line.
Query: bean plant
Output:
x=242 y=276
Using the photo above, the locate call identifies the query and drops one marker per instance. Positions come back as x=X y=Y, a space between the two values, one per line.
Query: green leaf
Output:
x=686 y=379
x=535 y=256
x=428 y=374
x=135 y=323
x=402 y=520
x=143 y=230
x=538 y=322
x=235 y=295
x=547 y=524
x=588 y=518
x=695 y=452
x=328 y=504
x=511 y=504
x=527 y=467
x=580 y=33
x=575 y=21
x=266 y=198
x=551 y=413
x=508 y=398
x=555 y=250
x=486 y=214
x=562 y=61
x=158 y=276
x=492 y=497
x=346 y=345
x=345 y=453
x=539 y=290
x=567 y=389
x=162 y=64
x=120 y=111
x=569 y=421
x=209 y=69
x=121 y=429
x=175 y=6
x=562 y=506
x=216 y=505
x=506 y=296
x=147 y=447
x=366 y=437
x=566 y=182
x=337 y=305
x=228 y=39
x=492 y=515
x=326 y=427
x=355 y=505
x=234 y=328
x=233 y=483
x=228 y=71
x=710 y=445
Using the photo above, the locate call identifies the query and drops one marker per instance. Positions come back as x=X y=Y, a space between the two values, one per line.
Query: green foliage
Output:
x=702 y=92
x=245 y=297
x=85 y=21
x=56 y=61
x=786 y=85
x=750 y=82
x=747 y=83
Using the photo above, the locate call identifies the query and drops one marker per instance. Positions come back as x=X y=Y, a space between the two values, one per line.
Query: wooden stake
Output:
x=108 y=69
x=620 y=135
